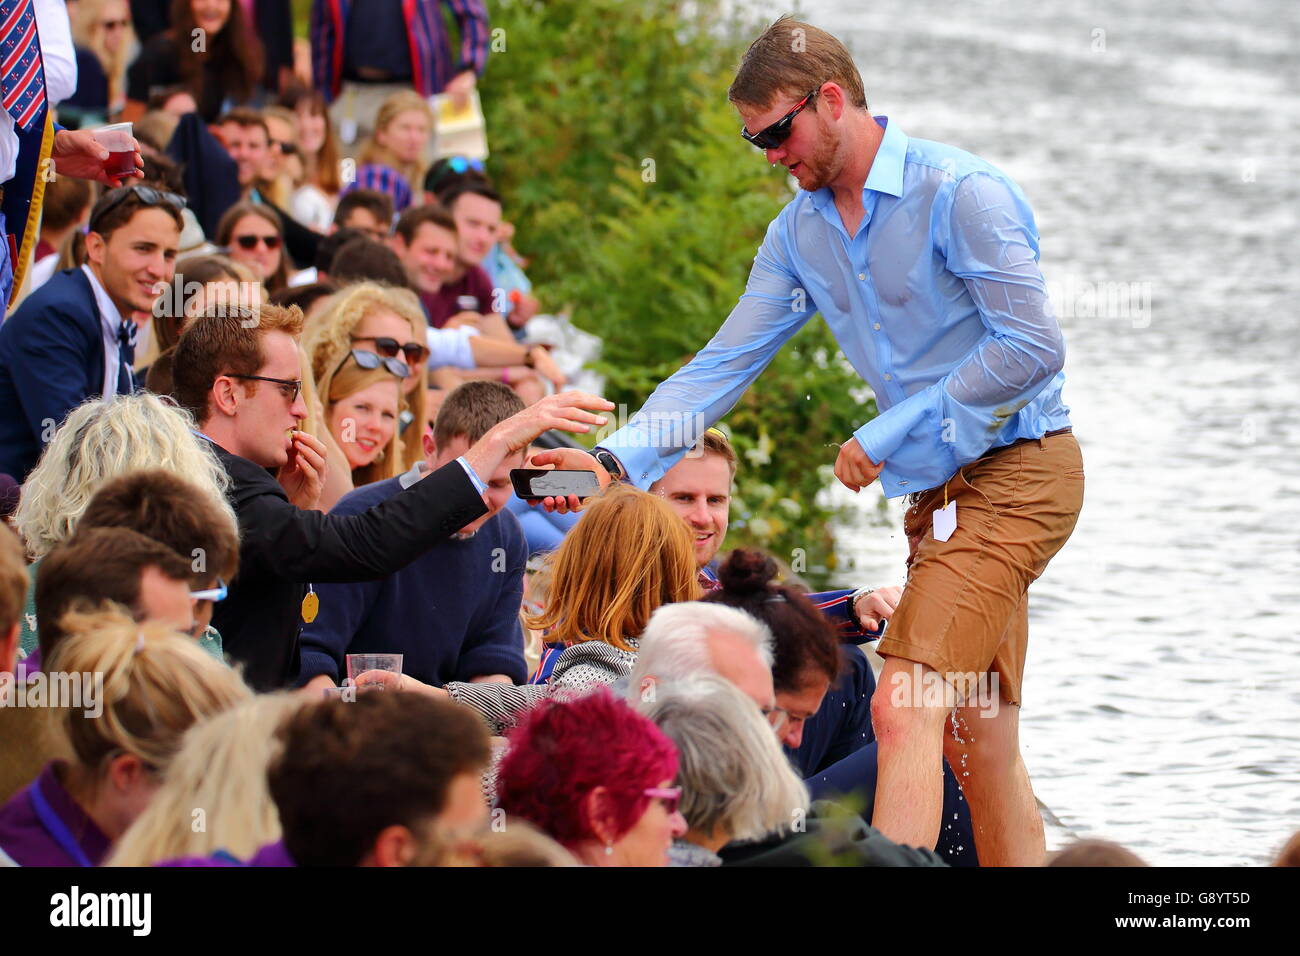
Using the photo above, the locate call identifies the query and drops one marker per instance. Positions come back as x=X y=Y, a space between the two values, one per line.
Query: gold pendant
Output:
x=310 y=605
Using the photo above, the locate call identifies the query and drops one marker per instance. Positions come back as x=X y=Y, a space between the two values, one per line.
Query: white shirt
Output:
x=110 y=320
x=54 y=32
x=451 y=347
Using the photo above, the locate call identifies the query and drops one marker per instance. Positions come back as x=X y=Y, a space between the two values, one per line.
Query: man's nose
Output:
x=793 y=736
x=775 y=155
x=699 y=515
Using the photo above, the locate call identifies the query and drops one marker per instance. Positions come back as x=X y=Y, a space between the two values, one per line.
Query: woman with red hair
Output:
x=596 y=777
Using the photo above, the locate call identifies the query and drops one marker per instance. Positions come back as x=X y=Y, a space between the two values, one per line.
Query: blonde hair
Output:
x=102 y=439
x=403 y=101
x=329 y=339
x=732 y=771
x=281 y=189
x=629 y=554
x=156 y=685
x=87 y=15
x=348 y=380
x=221 y=769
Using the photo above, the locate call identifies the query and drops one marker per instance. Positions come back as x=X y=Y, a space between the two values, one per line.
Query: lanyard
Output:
x=56 y=827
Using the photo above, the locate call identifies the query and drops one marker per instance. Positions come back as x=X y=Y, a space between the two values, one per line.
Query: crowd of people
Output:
x=259 y=406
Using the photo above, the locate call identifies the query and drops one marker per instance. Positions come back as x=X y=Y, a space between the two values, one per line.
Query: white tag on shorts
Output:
x=945 y=521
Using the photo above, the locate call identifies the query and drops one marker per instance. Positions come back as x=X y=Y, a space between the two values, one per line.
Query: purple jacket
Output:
x=273 y=854
x=431 y=59
x=42 y=825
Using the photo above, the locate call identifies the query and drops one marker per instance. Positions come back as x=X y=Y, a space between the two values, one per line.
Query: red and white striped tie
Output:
x=22 y=77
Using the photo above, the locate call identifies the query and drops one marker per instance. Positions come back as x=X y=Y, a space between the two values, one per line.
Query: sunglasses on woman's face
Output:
x=414 y=352
x=250 y=242
x=369 y=360
x=778 y=132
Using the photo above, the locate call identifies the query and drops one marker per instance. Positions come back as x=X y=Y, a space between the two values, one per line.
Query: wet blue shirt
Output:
x=937 y=302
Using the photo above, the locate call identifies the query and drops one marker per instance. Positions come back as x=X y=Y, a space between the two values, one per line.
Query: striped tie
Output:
x=22 y=77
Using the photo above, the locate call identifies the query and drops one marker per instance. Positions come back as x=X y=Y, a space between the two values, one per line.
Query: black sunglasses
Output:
x=250 y=242
x=289 y=388
x=414 y=352
x=369 y=360
x=147 y=195
x=778 y=132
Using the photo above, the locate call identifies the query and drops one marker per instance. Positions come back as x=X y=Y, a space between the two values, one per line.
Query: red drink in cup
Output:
x=119 y=142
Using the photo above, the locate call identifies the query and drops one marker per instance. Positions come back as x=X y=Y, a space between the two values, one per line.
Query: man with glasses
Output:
x=74 y=338
x=923 y=261
x=242 y=380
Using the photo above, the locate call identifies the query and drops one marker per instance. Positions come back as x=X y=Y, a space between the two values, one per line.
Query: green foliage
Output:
x=642 y=209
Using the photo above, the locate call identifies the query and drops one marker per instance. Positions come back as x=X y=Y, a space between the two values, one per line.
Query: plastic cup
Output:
x=120 y=143
x=358 y=664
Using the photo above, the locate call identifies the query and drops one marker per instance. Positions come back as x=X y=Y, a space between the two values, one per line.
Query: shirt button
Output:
x=862 y=275
x=876 y=326
x=888 y=377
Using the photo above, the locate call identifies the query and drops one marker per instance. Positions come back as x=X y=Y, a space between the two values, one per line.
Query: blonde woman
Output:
x=628 y=555
x=737 y=783
x=361 y=410
x=220 y=769
x=392 y=159
x=102 y=29
x=156 y=684
x=100 y=440
x=390 y=323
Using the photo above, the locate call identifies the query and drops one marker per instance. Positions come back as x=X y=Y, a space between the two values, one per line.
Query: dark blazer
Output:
x=51 y=360
x=283 y=548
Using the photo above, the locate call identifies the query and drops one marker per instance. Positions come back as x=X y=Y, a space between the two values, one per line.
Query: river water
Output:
x=1159 y=145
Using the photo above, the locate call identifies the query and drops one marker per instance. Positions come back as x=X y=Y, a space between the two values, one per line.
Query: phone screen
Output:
x=541 y=483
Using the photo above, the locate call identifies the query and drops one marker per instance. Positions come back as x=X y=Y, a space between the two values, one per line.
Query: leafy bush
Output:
x=642 y=209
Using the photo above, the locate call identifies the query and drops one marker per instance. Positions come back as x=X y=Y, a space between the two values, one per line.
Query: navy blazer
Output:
x=51 y=360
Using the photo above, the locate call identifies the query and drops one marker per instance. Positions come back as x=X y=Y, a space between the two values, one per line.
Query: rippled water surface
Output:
x=1159 y=144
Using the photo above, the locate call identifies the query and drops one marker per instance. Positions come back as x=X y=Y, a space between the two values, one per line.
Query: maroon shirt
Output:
x=31 y=838
x=443 y=304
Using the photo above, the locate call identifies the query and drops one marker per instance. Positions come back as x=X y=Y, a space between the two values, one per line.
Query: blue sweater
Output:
x=843 y=722
x=453 y=612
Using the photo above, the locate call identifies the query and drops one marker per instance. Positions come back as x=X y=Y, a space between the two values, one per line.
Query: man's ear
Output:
x=96 y=247
x=225 y=400
x=833 y=97
x=395 y=846
x=430 y=448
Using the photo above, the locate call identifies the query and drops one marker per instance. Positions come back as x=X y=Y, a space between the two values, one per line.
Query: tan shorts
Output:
x=965 y=609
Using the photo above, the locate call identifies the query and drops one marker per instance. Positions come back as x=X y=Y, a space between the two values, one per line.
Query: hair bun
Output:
x=746 y=571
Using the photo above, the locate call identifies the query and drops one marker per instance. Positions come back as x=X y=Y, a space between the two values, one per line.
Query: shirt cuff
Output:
x=479 y=484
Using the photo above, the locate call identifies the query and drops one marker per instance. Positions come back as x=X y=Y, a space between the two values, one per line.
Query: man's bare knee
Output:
x=905 y=703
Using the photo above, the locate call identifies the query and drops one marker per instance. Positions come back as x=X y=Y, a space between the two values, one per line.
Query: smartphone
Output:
x=543 y=483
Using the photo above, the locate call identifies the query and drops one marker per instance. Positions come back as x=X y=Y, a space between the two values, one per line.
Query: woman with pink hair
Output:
x=597 y=778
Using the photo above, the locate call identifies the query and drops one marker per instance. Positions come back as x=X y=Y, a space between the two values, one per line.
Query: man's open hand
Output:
x=570 y=411
x=78 y=154
x=854 y=469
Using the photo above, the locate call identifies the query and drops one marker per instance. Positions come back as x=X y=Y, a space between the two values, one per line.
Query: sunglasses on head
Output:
x=250 y=242
x=414 y=352
x=778 y=132
x=369 y=360
x=457 y=166
x=147 y=195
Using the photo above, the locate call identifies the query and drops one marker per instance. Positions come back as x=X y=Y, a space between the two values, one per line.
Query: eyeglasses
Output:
x=289 y=388
x=778 y=132
x=250 y=242
x=415 y=352
x=369 y=360
x=212 y=594
x=776 y=717
x=671 y=797
x=147 y=195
